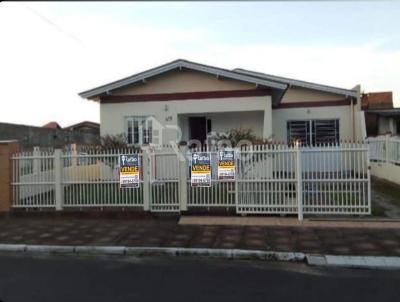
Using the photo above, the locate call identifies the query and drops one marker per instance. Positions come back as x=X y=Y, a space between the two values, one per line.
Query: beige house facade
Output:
x=182 y=101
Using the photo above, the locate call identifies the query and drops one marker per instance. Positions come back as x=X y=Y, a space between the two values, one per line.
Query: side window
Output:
x=325 y=131
x=313 y=132
x=298 y=130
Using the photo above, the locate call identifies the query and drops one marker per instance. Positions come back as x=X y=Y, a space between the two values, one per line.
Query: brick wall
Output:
x=7 y=148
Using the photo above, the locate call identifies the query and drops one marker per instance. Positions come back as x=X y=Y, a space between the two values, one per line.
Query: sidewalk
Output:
x=168 y=233
x=369 y=223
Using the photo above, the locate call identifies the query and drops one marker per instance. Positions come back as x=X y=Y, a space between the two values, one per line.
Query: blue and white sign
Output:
x=129 y=171
x=226 y=165
x=201 y=170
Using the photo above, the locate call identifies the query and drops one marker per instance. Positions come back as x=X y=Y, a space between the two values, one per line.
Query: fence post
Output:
x=146 y=178
x=237 y=156
x=58 y=179
x=182 y=183
x=36 y=161
x=74 y=153
x=387 y=148
x=369 y=178
x=299 y=182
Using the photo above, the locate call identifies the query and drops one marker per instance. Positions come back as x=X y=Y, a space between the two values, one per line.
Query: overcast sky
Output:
x=52 y=51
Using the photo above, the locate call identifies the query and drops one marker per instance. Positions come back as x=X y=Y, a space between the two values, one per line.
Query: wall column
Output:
x=267 y=125
x=7 y=149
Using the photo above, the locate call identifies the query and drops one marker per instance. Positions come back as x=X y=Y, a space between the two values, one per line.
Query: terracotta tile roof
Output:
x=52 y=125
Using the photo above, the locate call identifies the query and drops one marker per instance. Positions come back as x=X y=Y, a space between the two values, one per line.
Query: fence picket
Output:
x=273 y=178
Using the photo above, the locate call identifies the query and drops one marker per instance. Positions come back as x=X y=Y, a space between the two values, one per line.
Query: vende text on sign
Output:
x=201 y=170
x=129 y=171
x=226 y=165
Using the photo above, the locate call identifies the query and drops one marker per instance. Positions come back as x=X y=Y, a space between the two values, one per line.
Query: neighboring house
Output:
x=201 y=100
x=85 y=127
x=380 y=115
x=50 y=135
x=52 y=125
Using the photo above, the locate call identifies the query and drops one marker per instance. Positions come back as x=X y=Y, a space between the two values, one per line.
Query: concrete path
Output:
x=369 y=223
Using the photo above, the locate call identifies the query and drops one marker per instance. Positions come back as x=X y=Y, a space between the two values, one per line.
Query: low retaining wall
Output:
x=387 y=171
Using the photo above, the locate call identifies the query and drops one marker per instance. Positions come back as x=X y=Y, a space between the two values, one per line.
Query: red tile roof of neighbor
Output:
x=377 y=100
x=52 y=125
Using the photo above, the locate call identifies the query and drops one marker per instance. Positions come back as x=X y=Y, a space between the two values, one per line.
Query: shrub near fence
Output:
x=271 y=178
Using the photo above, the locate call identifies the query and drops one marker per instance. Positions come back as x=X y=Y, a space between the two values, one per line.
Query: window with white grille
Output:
x=313 y=132
x=139 y=130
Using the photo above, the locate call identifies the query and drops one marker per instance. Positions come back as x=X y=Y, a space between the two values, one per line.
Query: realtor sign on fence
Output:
x=129 y=171
x=201 y=170
x=226 y=165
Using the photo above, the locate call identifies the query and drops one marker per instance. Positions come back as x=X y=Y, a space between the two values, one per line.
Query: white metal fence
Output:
x=329 y=179
x=385 y=149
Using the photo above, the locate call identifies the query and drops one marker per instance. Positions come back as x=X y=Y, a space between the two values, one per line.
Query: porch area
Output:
x=201 y=126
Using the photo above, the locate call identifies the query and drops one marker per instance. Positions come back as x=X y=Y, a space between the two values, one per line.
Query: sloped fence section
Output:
x=385 y=149
x=385 y=157
x=270 y=179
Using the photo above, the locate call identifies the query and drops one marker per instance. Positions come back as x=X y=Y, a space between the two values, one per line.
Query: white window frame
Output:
x=144 y=123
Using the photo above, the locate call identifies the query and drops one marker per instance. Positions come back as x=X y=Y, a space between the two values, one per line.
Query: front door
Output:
x=198 y=128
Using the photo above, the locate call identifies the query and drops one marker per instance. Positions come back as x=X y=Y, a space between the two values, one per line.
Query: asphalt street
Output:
x=86 y=278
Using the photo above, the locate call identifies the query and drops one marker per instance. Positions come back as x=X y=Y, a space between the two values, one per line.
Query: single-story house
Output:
x=380 y=115
x=85 y=127
x=183 y=100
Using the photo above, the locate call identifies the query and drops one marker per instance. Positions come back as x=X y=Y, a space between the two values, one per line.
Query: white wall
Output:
x=281 y=116
x=112 y=116
x=386 y=171
x=254 y=120
x=298 y=94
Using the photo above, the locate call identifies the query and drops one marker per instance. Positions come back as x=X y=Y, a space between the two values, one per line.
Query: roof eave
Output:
x=89 y=94
x=302 y=84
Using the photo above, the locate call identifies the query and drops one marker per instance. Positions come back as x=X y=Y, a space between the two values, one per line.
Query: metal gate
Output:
x=164 y=180
x=221 y=193
x=267 y=180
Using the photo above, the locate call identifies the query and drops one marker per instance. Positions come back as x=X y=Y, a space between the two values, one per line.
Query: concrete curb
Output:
x=155 y=251
x=371 y=262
